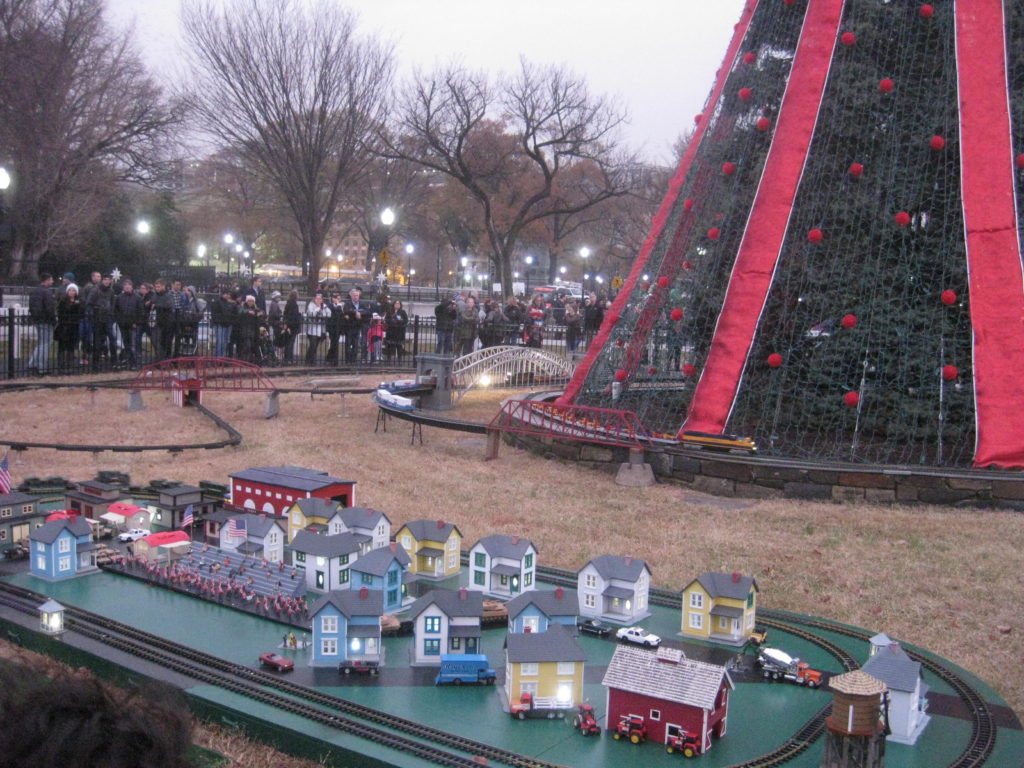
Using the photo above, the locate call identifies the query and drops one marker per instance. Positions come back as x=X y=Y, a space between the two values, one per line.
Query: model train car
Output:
x=731 y=443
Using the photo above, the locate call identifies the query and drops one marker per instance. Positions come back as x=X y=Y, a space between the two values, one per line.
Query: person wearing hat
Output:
x=250 y=318
x=68 y=279
x=69 y=315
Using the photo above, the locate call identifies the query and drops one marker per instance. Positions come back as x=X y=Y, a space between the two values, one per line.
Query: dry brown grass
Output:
x=941 y=578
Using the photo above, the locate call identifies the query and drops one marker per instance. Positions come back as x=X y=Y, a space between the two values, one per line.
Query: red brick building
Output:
x=274 y=490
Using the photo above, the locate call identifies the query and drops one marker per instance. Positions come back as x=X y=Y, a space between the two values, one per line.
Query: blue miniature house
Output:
x=346 y=629
x=62 y=549
x=536 y=610
x=445 y=622
x=382 y=570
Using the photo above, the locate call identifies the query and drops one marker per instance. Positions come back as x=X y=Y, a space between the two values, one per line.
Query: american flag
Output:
x=187 y=518
x=236 y=527
x=5 y=475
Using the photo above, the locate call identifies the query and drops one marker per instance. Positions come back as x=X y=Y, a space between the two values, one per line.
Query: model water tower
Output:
x=856 y=728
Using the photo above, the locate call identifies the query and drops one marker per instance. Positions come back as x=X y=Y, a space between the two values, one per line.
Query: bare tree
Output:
x=78 y=113
x=291 y=85
x=550 y=122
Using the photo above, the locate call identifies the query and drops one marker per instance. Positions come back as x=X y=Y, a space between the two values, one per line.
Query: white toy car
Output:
x=133 y=534
x=638 y=635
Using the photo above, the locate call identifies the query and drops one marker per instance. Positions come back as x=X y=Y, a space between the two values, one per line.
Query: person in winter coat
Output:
x=467 y=325
x=492 y=331
x=69 y=314
x=164 y=323
x=394 y=338
x=535 y=322
x=42 y=310
x=445 y=315
x=573 y=326
x=128 y=315
x=250 y=320
x=375 y=337
x=99 y=307
x=315 y=328
x=291 y=325
x=223 y=316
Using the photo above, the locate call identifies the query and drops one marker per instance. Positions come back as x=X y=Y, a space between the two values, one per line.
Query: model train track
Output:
x=983 y=727
x=402 y=734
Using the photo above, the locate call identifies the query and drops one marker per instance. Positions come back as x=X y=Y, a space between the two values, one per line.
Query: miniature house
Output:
x=172 y=503
x=445 y=621
x=91 y=498
x=275 y=489
x=124 y=515
x=310 y=515
x=536 y=610
x=614 y=588
x=382 y=570
x=346 y=628
x=433 y=547
x=19 y=514
x=721 y=607
x=502 y=566
x=62 y=549
x=325 y=559
x=908 y=693
x=670 y=692
x=162 y=547
x=362 y=521
x=547 y=665
x=262 y=537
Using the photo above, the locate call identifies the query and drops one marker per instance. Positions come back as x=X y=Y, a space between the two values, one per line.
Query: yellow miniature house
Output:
x=433 y=547
x=720 y=607
x=312 y=513
x=546 y=665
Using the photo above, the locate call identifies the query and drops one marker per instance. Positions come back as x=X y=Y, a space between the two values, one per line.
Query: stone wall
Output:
x=756 y=477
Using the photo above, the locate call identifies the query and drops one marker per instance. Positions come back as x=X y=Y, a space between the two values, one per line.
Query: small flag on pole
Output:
x=187 y=519
x=5 y=475
x=236 y=527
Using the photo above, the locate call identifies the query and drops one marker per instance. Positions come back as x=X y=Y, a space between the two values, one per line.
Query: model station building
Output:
x=275 y=489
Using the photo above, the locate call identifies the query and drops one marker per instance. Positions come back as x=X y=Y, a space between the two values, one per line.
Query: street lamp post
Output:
x=529 y=263
x=229 y=239
x=410 y=249
x=584 y=254
x=5 y=228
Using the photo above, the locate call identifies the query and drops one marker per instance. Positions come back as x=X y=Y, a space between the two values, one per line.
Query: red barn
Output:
x=670 y=692
x=274 y=489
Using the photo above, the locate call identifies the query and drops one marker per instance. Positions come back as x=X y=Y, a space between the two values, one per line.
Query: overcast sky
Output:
x=657 y=56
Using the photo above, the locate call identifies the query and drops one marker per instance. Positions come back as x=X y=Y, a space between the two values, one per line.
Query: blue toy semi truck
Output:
x=459 y=668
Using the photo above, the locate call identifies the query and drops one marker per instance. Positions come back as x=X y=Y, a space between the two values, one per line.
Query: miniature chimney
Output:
x=735 y=577
x=394 y=546
x=463 y=593
x=440 y=524
x=559 y=593
x=363 y=593
x=629 y=559
x=515 y=540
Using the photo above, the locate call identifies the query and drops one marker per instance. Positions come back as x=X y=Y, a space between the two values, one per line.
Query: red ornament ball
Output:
x=652 y=370
x=689 y=369
x=948 y=298
x=663 y=282
x=926 y=11
x=749 y=57
x=856 y=170
x=728 y=168
x=763 y=123
x=950 y=372
x=676 y=315
x=849 y=321
x=848 y=38
x=714 y=233
x=774 y=360
x=851 y=399
x=815 y=236
x=620 y=375
x=902 y=218
x=1020 y=161
x=937 y=143
x=885 y=85
x=687 y=265
x=745 y=94
x=688 y=204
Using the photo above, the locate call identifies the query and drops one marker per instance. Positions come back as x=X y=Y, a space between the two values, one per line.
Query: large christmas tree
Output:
x=838 y=256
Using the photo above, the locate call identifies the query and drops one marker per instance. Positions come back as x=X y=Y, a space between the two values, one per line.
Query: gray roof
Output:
x=618 y=567
x=352 y=602
x=377 y=561
x=547 y=601
x=259 y=526
x=453 y=603
x=361 y=517
x=504 y=570
x=180 y=490
x=557 y=644
x=431 y=530
x=99 y=485
x=729 y=611
x=665 y=674
x=502 y=545
x=723 y=585
x=620 y=592
x=464 y=630
x=48 y=532
x=324 y=546
x=317 y=507
x=15 y=497
x=298 y=478
x=893 y=667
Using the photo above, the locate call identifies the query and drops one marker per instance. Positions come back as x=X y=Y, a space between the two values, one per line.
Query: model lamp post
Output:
x=51 y=617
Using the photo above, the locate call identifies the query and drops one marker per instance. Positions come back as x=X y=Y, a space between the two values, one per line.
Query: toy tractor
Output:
x=585 y=721
x=631 y=727
x=684 y=742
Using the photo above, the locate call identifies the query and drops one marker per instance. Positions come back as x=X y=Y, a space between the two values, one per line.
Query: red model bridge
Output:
x=212 y=374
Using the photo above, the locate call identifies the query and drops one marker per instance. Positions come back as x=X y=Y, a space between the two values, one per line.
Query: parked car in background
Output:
x=276 y=661
x=133 y=534
x=639 y=635
x=593 y=627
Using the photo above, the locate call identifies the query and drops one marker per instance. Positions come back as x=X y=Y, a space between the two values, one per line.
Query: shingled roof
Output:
x=619 y=567
x=48 y=532
x=377 y=561
x=431 y=530
x=297 y=478
x=324 y=546
x=557 y=644
x=893 y=667
x=352 y=602
x=314 y=506
x=729 y=585
x=453 y=603
x=666 y=674
x=361 y=517
x=503 y=545
x=551 y=602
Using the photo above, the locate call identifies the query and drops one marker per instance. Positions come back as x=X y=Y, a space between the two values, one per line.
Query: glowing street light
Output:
x=142 y=227
x=387 y=217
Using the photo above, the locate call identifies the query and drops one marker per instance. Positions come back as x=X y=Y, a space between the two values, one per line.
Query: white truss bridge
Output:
x=501 y=364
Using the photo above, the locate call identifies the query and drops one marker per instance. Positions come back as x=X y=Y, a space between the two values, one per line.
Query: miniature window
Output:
x=528 y=669
x=432 y=624
x=455 y=643
x=504 y=581
x=696 y=600
x=566 y=668
x=329 y=624
x=64 y=545
x=750 y=599
x=480 y=577
x=453 y=543
x=343 y=576
x=329 y=646
x=696 y=621
x=300 y=557
x=3 y=534
x=259 y=492
x=371 y=645
x=392 y=577
x=64 y=564
x=40 y=547
x=296 y=516
x=5 y=512
x=277 y=495
x=453 y=561
x=238 y=486
x=480 y=560
x=723 y=623
x=528 y=561
x=248 y=489
x=407 y=543
x=272 y=538
x=527 y=579
x=750 y=621
x=367 y=578
x=288 y=498
x=655 y=714
x=392 y=596
x=589 y=601
x=432 y=647
x=343 y=560
x=591 y=580
x=41 y=563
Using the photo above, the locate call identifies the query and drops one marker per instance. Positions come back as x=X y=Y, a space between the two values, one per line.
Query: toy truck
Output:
x=779 y=665
x=459 y=668
x=537 y=706
x=682 y=741
x=631 y=727
x=585 y=720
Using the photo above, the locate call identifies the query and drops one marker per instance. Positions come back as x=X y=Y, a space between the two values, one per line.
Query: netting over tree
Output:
x=812 y=279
